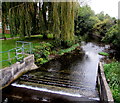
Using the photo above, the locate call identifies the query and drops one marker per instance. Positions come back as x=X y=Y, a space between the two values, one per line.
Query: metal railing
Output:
x=9 y=58
x=18 y=53
x=23 y=48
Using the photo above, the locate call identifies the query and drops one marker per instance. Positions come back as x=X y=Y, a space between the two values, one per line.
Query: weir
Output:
x=71 y=78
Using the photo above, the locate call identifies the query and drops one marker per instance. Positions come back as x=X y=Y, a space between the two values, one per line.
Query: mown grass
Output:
x=112 y=72
x=11 y=43
x=7 y=35
x=6 y=46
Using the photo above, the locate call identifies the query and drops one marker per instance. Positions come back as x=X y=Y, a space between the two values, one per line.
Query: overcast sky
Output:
x=108 y=6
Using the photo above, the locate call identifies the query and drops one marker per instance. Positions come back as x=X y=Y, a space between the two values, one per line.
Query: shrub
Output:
x=112 y=72
x=50 y=36
x=42 y=52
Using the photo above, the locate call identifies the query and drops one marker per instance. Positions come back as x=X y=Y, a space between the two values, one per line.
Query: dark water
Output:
x=72 y=75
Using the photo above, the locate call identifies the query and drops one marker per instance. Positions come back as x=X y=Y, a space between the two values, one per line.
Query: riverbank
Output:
x=112 y=72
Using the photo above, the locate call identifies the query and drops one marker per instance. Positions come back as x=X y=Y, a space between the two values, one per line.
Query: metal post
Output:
x=9 y=57
x=30 y=48
x=23 y=52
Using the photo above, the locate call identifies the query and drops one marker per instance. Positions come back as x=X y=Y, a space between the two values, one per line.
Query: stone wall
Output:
x=104 y=90
x=9 y=74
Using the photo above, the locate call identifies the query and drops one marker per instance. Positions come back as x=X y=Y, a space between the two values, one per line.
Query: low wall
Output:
x=9 y=74
x=104 y=90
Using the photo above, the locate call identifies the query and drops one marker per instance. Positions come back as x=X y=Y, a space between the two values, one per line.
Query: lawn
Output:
x=7 y=35
x=35 y=40
x=11 y=43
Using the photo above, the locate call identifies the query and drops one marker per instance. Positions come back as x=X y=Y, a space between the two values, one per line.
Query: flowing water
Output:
x=72 y=75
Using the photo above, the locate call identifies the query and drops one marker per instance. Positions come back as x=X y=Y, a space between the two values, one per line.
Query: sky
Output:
x=108 y=6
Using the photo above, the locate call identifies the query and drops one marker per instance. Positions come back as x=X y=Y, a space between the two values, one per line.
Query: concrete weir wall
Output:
x=9 y=74
x=104 y=90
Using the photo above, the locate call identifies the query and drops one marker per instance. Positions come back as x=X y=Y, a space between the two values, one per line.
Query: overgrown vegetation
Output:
x=112 y=72
x=46 y=51
x=100 y=25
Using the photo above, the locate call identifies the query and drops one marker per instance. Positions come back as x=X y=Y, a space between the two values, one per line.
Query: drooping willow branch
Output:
x=21 y=19
x=24 y=19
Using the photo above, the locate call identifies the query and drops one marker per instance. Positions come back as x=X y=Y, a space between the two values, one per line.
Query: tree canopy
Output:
x=29 y=18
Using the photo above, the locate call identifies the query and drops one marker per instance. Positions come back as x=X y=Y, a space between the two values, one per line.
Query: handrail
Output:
x=104 y=89
x=17 y=51
x=8 y=55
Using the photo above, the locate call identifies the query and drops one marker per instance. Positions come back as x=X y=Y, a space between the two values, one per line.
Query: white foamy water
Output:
x=50 y=91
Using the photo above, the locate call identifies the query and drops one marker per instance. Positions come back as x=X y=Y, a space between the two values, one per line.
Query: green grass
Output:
x=7 y=45
x=112 y=72
x=11 y=43
x=7 y=35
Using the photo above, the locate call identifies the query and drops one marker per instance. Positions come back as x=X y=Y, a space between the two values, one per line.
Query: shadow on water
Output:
x=73 y=75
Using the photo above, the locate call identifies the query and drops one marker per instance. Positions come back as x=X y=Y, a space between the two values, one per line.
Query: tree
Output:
x=26 y=18
x=101 y=27
x=112 y=36
x=85 y=21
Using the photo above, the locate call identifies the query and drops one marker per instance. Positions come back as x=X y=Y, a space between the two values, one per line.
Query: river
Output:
x=71 y=76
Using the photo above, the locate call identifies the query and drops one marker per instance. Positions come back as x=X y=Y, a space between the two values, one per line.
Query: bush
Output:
x=56 y=43
x=112 y=72
x=50 y=36
x=112 y=36
x=42 y=52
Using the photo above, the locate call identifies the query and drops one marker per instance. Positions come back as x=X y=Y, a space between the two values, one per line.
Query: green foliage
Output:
x=22 y=19
x=88 y=23
x=42 y=52
x=78 y=39
x=102 y=26
x=50 y=36
x=26 y=18
x=42 y=60
x=112 y=36
x=101 y=16
x=103 y=53
x=85 y=21
x=68 y=43
x=112 y=72
x=61 y=52
x=57 y=43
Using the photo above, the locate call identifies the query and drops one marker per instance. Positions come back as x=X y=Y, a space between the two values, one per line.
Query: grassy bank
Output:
x=44 y=50
x=112 y=72
x=10 y=44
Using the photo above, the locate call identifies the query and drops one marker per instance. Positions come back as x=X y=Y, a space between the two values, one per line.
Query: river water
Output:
x=73 y=75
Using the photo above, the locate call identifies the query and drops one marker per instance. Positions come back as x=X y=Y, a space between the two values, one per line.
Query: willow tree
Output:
x=63 y=20
x=22 y=19
x=56 y=20
x=67 y=21
x=5 y=14
x=56 y=17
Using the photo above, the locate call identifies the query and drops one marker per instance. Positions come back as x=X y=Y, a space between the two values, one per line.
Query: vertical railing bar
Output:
x=30 y=48
x=9 y=57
